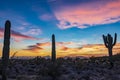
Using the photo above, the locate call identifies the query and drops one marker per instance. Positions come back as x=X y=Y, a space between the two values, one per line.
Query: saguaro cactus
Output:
x=53 y=48
x=5 y=53
x=109 y=43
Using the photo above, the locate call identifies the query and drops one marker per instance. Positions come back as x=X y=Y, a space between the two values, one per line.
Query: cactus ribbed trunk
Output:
x=5 y=53
x=110 y=57
x=53 y=49
x=110 y=51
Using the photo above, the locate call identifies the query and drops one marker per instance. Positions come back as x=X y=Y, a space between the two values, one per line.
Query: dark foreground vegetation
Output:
x=94 y=68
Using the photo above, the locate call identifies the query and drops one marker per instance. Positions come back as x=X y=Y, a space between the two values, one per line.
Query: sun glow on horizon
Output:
x=62 y=50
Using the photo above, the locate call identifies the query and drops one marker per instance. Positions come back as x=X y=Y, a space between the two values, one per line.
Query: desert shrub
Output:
x=51 y=69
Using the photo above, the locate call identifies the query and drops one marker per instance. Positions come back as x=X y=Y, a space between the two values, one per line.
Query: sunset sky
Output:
x=78 y=26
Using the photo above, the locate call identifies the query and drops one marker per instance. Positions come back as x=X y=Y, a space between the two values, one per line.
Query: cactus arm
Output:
x=115 y=39
x=105 y=40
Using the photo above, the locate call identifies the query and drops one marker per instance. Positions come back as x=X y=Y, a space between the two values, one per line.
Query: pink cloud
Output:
x=88 y=14
x=17 y=36
x=44 y=44
x=64 y=48
x=1 y=32
x=57 y=44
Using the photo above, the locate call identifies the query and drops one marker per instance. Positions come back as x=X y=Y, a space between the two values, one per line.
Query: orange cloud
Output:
x=87 y=50
x=88 y=14
x=34 y=48
x=64 y=48
x=44 y=49
x=38 y=47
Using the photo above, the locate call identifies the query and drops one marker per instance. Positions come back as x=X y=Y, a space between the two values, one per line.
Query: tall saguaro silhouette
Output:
x=6 y=47
x=109 y=43
x=53 y=49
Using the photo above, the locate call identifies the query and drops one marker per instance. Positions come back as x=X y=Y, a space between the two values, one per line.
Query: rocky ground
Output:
x=64 y=69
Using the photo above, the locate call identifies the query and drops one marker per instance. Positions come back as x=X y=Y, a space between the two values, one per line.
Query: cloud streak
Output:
x=17 y=36
x=63 y=50
x=85 y=14
x=43 y=46
x=33 y=48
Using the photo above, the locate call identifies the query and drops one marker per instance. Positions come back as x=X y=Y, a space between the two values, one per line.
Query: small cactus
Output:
x=53 y=49
x=109 y=43
x=5 y=53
